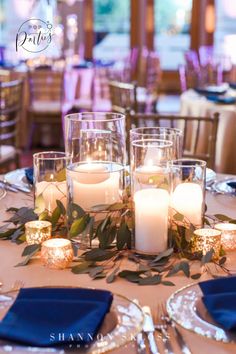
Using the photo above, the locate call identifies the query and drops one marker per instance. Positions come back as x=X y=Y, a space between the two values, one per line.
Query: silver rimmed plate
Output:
x=182 y=308
x=18 y=178
x=223 y=186
x=129 y=322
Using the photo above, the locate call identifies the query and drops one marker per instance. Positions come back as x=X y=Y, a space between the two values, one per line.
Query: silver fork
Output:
x=18 y=284
x=162 y=327
x=180 y=340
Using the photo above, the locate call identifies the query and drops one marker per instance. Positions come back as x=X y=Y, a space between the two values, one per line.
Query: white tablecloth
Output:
x=196 y=105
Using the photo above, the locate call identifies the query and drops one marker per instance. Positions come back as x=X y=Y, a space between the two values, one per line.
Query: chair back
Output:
x=46 y=85
x=123 y=96
x=199 y=133
x=10 y=109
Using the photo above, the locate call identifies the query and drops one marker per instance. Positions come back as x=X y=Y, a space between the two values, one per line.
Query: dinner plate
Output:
x=210 y=176
x=129 y=322
x=223 y=186
x=18 y=178
x=182 y=308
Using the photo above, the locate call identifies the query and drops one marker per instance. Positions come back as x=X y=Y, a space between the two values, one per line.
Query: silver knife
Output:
x=149 y=329
x=180 y=340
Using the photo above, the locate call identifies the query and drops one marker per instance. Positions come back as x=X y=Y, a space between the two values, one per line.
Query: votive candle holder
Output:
x=57 y=253
x=206 y=239
x=228 y=235
x=37 y=231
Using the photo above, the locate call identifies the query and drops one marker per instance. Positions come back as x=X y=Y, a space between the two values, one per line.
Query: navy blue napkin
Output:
x=29 y=173
x=210 y=91
x=221 y=100
x=232 y=85
x=55 y=316
x=219 y=299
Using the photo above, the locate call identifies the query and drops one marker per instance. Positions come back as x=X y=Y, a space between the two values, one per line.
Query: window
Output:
x=225 y=31
x=172 y=31
x=112 y=28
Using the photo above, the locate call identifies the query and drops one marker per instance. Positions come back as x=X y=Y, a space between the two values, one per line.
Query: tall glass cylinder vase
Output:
x=150 y=193
x=96 y=142
x=187 y=197
x=50 y=179
x=161 y=133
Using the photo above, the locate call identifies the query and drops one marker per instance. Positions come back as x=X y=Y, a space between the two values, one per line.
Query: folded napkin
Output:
x=29 y=173
x=221 y=100
x=232 y=85
x=53 y=316
x=232 y=184
x=219 y=298
x=211 y=90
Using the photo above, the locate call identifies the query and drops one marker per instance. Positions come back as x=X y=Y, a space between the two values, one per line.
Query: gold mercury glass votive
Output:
x=57 y=253
x=228 y=235
x=37 y=231
x=206 y=239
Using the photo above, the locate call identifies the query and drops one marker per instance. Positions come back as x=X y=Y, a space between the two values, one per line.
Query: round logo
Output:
x=34 y=35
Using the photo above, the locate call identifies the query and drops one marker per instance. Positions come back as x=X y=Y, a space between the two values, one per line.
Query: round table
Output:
x=35 y=274
x=193 y=104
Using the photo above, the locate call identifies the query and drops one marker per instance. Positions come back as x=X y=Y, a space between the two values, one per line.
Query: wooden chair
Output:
x=199 y=133
x=46 y=96
x=10 y=109
x=123 y=97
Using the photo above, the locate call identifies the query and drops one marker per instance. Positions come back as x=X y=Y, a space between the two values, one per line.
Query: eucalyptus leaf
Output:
x=116 y=206
x=28 y=250
x=61 y=207
x=39 y=204
x=98 y=255
x=222 y=261
x=123 y=237
x=44 y=216
x=75 y=211
x=162 y=255
x=79 y=225
x=132 y=276
x=95 y=271
x=56 y=214
x=222 y=217
x=196 y=276
x=83 y=267
x=111 y=277
x=60 y=176
x=167 y=283
x=207 y=257
x=178 y=217
x=152 y=280
x=29 y=256
x=181 y=266
x=99 y=208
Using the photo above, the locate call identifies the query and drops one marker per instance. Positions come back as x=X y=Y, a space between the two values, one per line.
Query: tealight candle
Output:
x=187 y=199
x=57 y=253
x=228 y=235
x=151 y=220
x=37 y=231
x=205 y=239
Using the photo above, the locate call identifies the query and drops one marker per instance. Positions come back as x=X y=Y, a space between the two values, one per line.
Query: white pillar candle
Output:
x=187 y=199
x=51 y=191
x=151 y=220
x=228 y=235
x=93 y=184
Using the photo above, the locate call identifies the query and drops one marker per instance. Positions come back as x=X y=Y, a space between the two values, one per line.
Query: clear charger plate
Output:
x=18 y=178
x=129 y=322
x=182 y=308
x=222 y=186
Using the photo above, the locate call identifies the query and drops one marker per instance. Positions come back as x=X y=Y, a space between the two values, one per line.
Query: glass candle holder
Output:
x=204 y=240
x=95 y=136
x=57 y=253
x=50 y=179
x=150 y=193
x=94 y=183
x=188 y=190
x=228 y=235
x=37 y=231
x=161 y=133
